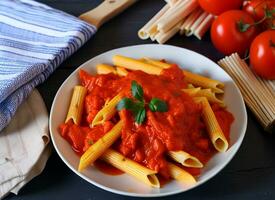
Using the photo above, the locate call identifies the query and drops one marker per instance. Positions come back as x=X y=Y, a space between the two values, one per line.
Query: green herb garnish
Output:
x=137 y=105
x=157 y=105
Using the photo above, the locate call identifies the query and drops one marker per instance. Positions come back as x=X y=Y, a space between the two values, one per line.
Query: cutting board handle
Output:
x=105 y=11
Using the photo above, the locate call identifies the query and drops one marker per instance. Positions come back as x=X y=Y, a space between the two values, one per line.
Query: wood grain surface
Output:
x=250 y=174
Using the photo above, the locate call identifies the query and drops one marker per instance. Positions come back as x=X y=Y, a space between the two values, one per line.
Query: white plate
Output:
x=124 y=184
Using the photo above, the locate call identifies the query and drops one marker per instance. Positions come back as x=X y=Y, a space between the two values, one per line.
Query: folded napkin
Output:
x=34 y=40
x=24 y=145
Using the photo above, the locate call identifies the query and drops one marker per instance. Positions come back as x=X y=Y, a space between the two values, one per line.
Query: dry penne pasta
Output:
x=143 y=33
x=204 y=26
x=107 y=112
x=180 y=12
x=214 y=130
x=131 y=167
x=76 y=105
x=162 y=37
x=98 y=148
x=185 y=159
x=105 y=69
x=185 y=27
x=181 y=175
x=196 y=23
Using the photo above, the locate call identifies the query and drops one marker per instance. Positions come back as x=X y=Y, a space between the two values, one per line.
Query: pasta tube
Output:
x=213 y=128
x=194 y=79
x=157 y=63
x=181 y=175
x=133 y=64
x=76 y=105
x=107 y=112
x=185 y=159
x=203 y=82
x=143 y=33
x=98 y=148
x=131 y=167
x=121 y=71
x=208 y=93
x=105 y=69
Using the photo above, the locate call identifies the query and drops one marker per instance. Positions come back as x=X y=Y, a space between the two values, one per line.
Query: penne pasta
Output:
x=181 y=175
x=204 y=26
x=121 y=71
x=192 y=78
x=162 y=37
x=180 y=12
x=185 y=159
x=133 y=64
x=185 y=27
x=131 y=167
x=204 y=82
x=157 y=63
x=107 y=112
x=143 y=33
x=98 y=148
x=105 y=69
x=214 y=130
x=76 y=105
x=195 y=24
x=208 y=93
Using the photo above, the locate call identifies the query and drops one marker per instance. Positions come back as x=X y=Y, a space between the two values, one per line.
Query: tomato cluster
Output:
x=243 y=26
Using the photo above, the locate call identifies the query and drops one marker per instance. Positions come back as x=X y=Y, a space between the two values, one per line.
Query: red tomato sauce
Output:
x=180 y=128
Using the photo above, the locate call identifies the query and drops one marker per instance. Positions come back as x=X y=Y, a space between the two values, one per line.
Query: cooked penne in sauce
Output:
x=215 y=132
x=181 y=175
x=142 y=116
x=98 y=148
x=208 y=93
x=76 y=105
x=131 y=167
x=105 y=69
x=185 y=159
x=107 y=112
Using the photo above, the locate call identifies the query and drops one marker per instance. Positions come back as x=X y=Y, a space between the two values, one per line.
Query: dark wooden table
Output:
x=251 y=173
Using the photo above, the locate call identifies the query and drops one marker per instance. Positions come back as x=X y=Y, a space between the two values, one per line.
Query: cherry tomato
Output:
x=230 y=34
x=262 y=54
x=257 y=9
x=217 y=7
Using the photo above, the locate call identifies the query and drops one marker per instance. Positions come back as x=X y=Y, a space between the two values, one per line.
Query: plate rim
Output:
x=134 y=194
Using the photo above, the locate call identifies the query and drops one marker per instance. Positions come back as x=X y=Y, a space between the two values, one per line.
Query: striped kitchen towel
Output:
x=34 y=40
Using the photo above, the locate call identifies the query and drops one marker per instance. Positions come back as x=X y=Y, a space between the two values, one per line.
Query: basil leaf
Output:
x=137 y=91
x=125 y=103
x=140 y=116
x=158 y=105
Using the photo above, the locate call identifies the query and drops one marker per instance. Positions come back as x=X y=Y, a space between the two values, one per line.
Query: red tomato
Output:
x=262 y=54
x=257 y=9
x=226 y=34
x=217 y=7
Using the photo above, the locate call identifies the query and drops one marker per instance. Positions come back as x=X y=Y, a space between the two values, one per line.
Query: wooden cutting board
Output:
x=105 y=11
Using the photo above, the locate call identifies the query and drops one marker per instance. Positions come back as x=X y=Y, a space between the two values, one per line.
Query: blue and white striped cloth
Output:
x=34 y=40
